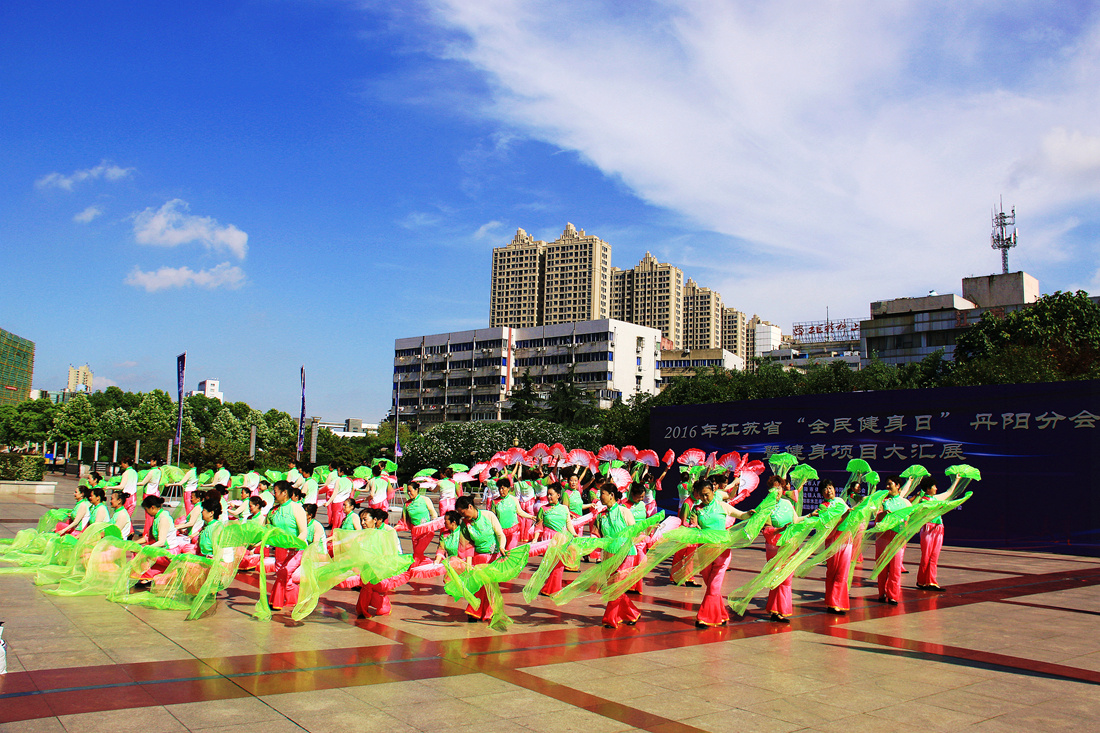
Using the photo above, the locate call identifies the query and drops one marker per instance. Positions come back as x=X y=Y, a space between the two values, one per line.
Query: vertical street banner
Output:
x=302 y=418
x=181 y=366
x=1037 y=447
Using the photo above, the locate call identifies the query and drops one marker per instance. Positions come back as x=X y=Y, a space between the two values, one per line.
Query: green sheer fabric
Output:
x=615 y=551
x=907 y=522
x=782 y=463
x=464 y=581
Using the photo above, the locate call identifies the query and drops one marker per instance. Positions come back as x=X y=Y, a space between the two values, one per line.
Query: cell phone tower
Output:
x=1001 y=238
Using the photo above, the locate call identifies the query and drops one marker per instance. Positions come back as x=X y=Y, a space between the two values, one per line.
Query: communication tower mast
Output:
x=1001 y=238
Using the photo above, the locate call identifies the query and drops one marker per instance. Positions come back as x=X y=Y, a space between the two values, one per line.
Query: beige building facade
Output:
x=537 y=283
x=650 y=294
x=80 y=378
x=703 y=313
x=734 y=336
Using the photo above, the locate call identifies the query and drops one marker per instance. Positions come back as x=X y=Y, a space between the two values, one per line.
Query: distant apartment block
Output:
x=703 y=316
x=536 y=283
x=208 y=388
x=679 y=363
x=650 y=294
x=734 y=338
x=80 y=379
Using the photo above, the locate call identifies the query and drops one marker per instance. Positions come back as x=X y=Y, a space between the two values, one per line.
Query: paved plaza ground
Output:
x=1013 y=645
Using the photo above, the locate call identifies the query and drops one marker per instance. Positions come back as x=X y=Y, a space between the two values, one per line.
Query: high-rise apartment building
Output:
x=734 y=332
x=650 y=294
x=536 y=283
x=703 y=313
x=80 y=378
x=16 y=368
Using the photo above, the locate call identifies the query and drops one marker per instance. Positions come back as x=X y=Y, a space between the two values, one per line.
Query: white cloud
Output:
x=126 y=364
x=171 y=226
x=222 y=276
x=106 y=170
x=88 y=214
x=849 y=151
x=102 y=383
x=487 y=229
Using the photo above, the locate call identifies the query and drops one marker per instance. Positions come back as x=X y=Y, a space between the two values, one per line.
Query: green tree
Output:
x=1057 y=337
x=75 y=421
x=32 y=422
x=524 y=400
x=228 y=429
x=204 y=410
x=153 y=419
x=115 y=424
x=570 y=405
x=7 y=415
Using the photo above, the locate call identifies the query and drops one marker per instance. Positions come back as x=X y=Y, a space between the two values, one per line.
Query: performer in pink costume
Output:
x=710 y=513
x=931 y=534
x=510 y=514
x=889 y=580
x=448 y=490
x=374 y=598
x=339 y=488
x=290 y=517
x=836 y=567
x=615 y=521
x=482 y=530
x=554 y=517
x=780 y=605
x=418 y=511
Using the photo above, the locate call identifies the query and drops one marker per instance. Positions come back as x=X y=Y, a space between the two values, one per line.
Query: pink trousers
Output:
x=553 y=581
x=712 y=611
x=483 y=611
x=779 y=597
x=836 y=578
x=622 y=609
x=284 y=591
x=931 y=542
x=889 y=580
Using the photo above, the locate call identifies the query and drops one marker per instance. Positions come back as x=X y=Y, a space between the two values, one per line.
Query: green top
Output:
x=923 y=498
x=206 y=538
x=638 y=510
x=154 y=534
x=283 y=517
x=554 y=517
x=349 y=521
x=708 y=516
x=573 y=501
x=893 y=503
x=684 y=488
x=446 y=489
x=480 y=534
x=782 y=513
x=377 y=485
x=506 y=510
x=85 y=516
x=417 y=510
x=612 y=523
x=449 y=543
x=311 y=530
x=101 y=513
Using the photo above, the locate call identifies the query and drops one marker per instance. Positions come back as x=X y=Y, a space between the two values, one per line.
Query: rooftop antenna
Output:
x=1001 y=239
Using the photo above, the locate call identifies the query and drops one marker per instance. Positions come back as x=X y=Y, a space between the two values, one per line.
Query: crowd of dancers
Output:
x=595 y=515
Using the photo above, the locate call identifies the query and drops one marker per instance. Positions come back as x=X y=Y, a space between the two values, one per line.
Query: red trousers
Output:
x=779 y=597
x=889 y=580
x=622 y=609
x=336 y=515
x=836 y=578
x=712 y=611
x=420 y=547
x=553 y=581
x=931 y=542
x=483 y=611
x=511 y=536
x=284 y=591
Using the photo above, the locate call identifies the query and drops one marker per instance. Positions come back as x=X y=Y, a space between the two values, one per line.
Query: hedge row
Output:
x=18 y=467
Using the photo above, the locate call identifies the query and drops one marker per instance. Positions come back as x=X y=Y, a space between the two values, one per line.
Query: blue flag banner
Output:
x=1037 y=447
x=181 y=366
x=302 y=418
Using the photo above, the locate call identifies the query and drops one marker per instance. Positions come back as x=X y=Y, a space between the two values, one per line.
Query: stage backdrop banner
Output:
x=1036 y=445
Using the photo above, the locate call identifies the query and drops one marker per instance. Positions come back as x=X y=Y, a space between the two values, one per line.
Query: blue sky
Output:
x=271 y=184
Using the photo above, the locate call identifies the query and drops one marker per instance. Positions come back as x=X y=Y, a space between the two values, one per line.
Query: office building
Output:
x=80 y=379
x=703 y=316
x=470 y=375
x=16 y=368
x=536 y=283
x=680 y=363
x=650 y=294
x=905 y=330
x=208 y=388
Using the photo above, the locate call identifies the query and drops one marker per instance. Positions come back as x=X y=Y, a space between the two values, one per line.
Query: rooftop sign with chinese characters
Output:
x=819 y=332
x=1037 y=446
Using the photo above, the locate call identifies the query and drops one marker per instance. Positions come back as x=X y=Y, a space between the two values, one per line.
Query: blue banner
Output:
x=1036 y=445
x=302 y=418
x=181 y=366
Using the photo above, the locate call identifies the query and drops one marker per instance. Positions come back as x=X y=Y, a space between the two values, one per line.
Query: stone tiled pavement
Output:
x=1014 y=645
